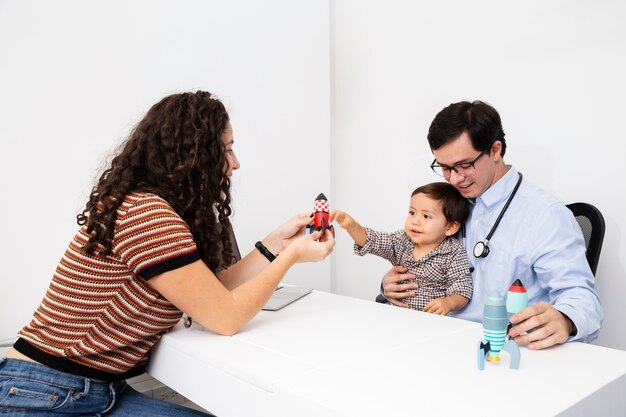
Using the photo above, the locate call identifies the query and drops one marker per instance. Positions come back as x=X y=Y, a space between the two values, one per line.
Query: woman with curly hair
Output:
x=154 y=243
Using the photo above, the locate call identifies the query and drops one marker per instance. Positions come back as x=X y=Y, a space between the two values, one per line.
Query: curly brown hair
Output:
x=176 y=151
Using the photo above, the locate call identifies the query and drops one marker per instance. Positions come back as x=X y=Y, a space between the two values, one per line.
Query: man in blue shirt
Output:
x=537 y=239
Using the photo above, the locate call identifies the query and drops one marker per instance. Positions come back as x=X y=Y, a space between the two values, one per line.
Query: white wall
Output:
x=76 y=75
x=555 y=72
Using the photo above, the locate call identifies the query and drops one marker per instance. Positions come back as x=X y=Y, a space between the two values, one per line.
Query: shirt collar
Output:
x=501 y=190
x=444 y=247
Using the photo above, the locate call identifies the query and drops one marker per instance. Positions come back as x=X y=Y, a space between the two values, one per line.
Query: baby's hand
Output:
x=354 y=229
x=439 y=306
x=344 y=219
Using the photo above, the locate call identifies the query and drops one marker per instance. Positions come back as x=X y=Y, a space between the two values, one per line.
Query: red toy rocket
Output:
x=320 y=215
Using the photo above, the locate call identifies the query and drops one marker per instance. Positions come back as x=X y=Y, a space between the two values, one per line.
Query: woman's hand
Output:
x=311 y=248
x=286 y=233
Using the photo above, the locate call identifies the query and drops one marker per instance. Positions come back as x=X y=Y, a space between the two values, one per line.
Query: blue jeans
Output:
x=32 y=389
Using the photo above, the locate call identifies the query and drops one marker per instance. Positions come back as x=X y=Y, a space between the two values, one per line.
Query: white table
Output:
x=329 y=355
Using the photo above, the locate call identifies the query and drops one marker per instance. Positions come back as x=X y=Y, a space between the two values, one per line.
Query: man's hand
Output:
x=393 y=291
x=543 y=324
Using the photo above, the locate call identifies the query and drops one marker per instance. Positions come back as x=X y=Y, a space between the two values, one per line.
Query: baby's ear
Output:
x=452 y=228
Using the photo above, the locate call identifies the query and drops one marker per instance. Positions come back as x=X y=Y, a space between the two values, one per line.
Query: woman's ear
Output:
x=452 y=228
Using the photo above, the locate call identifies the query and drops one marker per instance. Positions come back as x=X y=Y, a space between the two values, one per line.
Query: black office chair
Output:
x=592 y=225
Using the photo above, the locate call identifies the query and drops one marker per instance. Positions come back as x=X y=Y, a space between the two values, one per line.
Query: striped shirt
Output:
x=99 y=318
x=440 y=273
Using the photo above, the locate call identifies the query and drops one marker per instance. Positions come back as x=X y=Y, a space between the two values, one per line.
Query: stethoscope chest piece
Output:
x=481 y=250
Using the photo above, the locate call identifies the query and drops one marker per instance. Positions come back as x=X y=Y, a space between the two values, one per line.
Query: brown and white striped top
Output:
x=99 y=318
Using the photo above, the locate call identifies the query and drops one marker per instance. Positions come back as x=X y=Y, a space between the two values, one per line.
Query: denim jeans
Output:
x=32 y=389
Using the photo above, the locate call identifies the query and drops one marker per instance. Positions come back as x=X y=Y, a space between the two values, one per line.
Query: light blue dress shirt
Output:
x=538 y=241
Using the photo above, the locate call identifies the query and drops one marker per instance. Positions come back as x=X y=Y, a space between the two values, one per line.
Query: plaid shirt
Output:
x=442 y=272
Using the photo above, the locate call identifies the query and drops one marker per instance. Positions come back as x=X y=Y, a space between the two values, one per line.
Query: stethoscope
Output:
x=481 y=249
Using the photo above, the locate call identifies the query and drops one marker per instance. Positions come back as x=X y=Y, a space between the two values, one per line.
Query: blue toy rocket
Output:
x=516 y=298
x=495 y=326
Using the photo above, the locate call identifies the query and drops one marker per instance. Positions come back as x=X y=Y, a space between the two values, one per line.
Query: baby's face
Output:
x=425 y=223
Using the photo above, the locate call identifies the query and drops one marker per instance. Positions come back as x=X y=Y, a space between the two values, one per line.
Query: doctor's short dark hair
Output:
x=480 y=120
x=455 y=207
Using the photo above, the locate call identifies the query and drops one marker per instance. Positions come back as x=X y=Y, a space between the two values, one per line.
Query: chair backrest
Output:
x=235 y=246
x=236 y=255
x=591 y=223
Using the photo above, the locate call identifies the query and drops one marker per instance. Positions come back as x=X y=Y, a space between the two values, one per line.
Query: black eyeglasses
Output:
x=462 y=168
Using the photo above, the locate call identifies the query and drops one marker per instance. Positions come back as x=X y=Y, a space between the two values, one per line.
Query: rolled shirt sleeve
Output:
x=563 y=271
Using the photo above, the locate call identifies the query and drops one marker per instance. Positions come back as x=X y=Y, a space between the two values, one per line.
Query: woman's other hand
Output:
x=311 y=248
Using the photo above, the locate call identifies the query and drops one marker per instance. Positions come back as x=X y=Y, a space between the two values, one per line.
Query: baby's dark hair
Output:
x=454 y=205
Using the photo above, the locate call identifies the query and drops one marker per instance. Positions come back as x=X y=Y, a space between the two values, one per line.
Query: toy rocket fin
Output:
x=482 y=352
x=511 y=347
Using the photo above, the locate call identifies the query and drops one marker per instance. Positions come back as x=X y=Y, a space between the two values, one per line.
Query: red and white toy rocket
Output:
x=321 y=216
